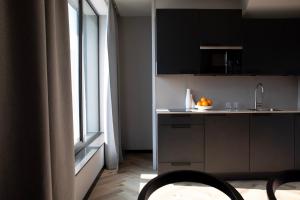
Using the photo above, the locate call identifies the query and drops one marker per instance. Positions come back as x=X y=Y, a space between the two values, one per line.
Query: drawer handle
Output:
x=181 y=126
x=177 y=164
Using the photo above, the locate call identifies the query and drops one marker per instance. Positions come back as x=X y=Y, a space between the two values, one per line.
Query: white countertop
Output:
x=215 y=111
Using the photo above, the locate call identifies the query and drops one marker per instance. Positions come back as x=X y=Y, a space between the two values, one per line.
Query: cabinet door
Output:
x=271 y=46
x=290 y=44
x=262 y=43
x=177 y=41
x=227 y=143
x=271 y=142
x=220 y=27
x=297 y=141
x=180 y=143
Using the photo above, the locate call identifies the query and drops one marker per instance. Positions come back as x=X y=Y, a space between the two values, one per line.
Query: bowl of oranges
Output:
x=204 y=103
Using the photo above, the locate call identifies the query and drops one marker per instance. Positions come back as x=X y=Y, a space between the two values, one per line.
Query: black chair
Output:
x=279 y=179
x=188 y=176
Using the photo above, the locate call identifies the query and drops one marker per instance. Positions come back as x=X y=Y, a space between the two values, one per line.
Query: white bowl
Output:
x=204 y=107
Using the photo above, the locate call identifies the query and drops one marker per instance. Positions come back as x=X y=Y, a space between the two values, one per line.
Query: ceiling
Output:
x=134 y=7
x=251 y=8
x=272 y=8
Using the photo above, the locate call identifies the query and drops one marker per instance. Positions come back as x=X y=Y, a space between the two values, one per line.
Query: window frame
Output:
x=83 y=140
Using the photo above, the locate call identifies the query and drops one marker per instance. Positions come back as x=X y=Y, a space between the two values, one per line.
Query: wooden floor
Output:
x=136 y=170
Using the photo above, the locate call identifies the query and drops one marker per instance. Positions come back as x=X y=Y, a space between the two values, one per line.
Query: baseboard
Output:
x=87 y=195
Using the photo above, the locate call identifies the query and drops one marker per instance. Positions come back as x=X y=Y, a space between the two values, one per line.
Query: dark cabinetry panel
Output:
x=177 y=41
x=290 y=43
x=271 y=46
x=227 y=143
x=180 y=32
x=180 y=139
x=181 y=143
x=297 y=141
x=260 y=53
x=220 y=27
x=271 y=142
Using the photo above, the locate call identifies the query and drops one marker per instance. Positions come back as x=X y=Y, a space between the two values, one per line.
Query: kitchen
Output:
x=138 y=91
x=248 y=67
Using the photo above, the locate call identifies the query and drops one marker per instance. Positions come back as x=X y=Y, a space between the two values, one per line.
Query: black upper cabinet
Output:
x=181 y=32
x=259 y=48
x=291 y=46
x=177 y=42
x=271 y=46
x=220 y=27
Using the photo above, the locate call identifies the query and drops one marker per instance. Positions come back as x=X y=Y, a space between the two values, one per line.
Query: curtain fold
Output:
x=36 y=132
x=113 y=150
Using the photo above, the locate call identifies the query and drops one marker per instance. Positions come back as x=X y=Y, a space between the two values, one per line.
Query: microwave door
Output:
x=213 y=62
x=234 y=65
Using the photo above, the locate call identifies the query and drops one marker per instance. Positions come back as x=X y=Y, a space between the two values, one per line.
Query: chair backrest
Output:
x=279 y=179
x=188 y=176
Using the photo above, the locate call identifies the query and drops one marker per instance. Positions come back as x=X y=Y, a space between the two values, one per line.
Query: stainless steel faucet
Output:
x=258 y=105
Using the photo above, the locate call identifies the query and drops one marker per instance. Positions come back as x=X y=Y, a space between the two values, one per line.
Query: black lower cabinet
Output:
x=271 y=142
x=297 y=141
x=227 y=143
x=180 y=143
x=231 y=144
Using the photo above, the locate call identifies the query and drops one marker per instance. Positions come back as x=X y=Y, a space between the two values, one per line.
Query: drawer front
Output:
x=167 y=167
x=181 y=143
x=177 y=119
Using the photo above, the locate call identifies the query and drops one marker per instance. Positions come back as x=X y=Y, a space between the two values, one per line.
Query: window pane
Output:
x=91 y=67
x=74 y=47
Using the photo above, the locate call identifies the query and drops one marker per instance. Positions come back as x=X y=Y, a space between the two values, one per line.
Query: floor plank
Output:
x=136 y=171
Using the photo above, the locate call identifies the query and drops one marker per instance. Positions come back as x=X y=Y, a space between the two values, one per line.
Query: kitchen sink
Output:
x=265 y=109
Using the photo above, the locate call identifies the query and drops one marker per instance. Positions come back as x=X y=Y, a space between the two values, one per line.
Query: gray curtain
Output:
x=113 y=151
x=36 y=132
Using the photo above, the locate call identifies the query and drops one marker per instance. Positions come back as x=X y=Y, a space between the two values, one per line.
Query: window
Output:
x=73 y=9
x=84 y=49
x=90 y=62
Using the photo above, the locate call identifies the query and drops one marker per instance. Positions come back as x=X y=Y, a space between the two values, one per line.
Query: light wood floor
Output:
x=136 y=170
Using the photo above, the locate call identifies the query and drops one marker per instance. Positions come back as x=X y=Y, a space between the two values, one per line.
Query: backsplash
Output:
x=280 y=91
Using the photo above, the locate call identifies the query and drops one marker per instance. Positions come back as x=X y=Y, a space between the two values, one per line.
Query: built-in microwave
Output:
x=221 y=59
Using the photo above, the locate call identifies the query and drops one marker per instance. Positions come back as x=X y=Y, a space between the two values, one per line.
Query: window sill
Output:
x=90 y=137
x=86 y=153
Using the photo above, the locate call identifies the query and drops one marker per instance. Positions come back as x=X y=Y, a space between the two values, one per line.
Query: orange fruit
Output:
x=203 y=99
x=210 y=102
x=199 y=103
x=204 y=103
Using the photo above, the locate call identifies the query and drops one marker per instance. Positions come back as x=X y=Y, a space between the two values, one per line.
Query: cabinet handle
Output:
x=177 y=164
x=181 y=126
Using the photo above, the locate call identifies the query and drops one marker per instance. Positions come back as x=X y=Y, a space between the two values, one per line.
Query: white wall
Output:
x=280 y=91
x=135 y=82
